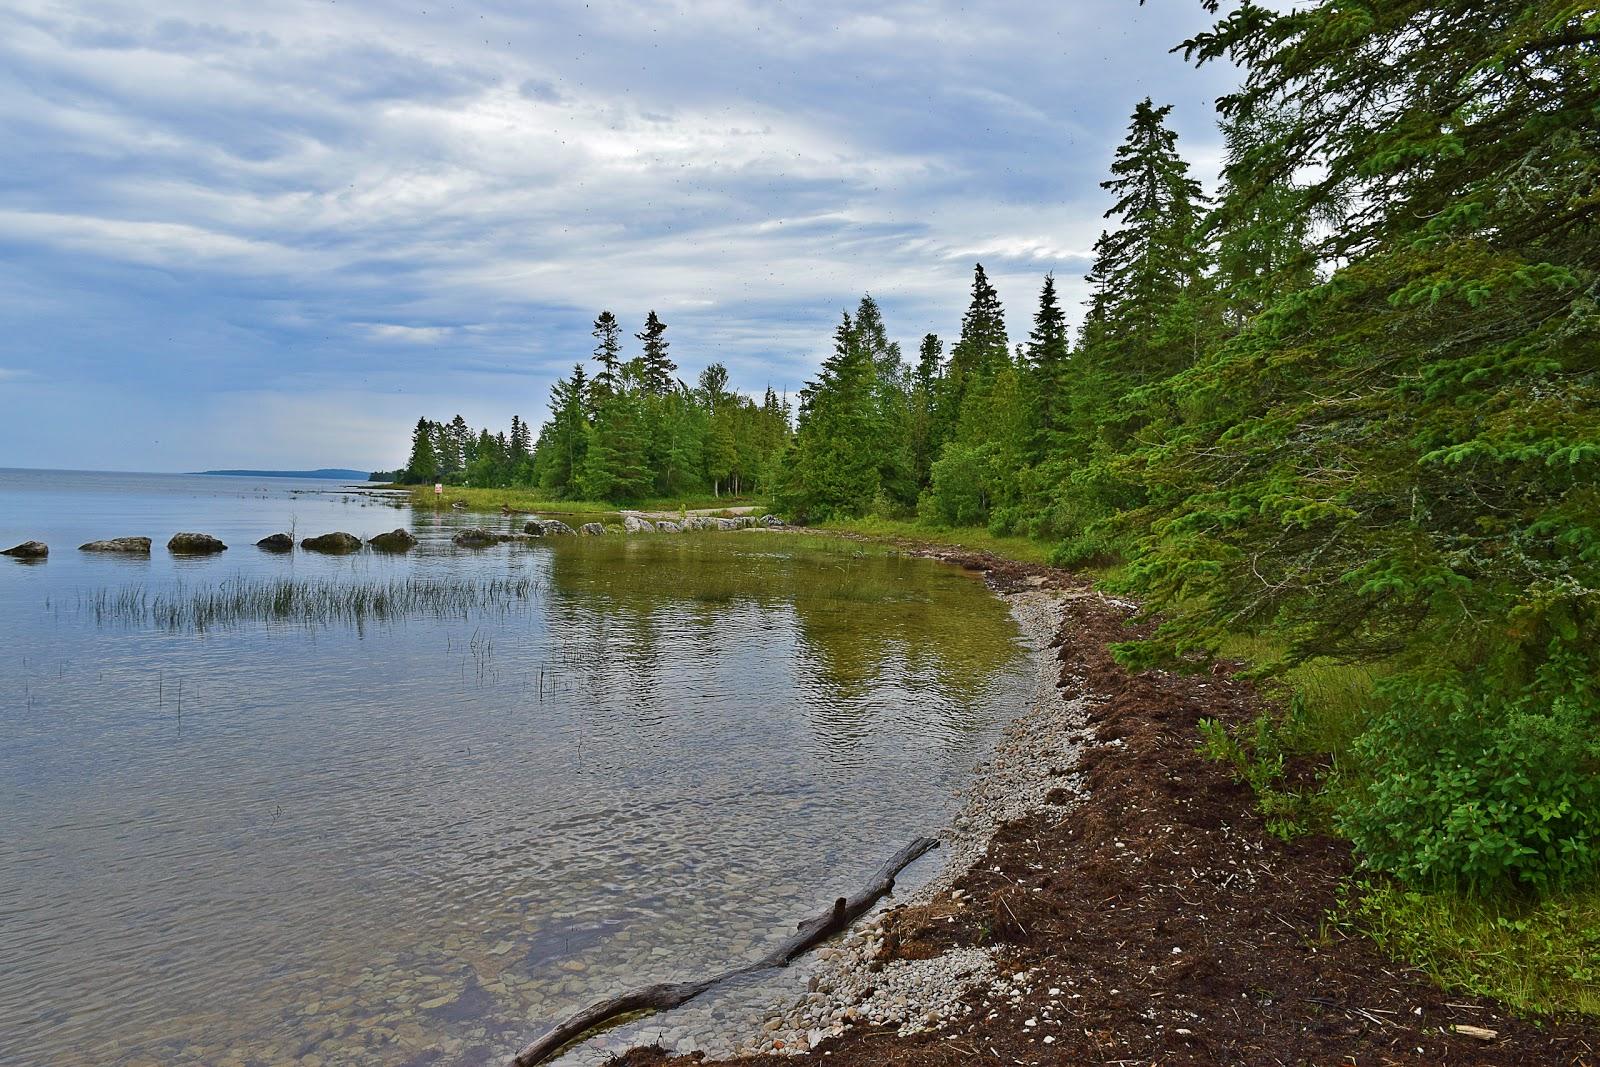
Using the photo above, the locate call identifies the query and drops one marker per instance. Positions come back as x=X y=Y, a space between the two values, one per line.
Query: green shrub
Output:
x=1480 y=789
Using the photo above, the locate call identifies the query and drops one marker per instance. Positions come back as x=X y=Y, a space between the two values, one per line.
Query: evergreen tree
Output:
x=977 y=356
x=832 y=467
x=889 y=389
x=926 y=385
x=656 y=370
x=1046 y=359
x=424 y=464
x=608 y=353
x=617 y=465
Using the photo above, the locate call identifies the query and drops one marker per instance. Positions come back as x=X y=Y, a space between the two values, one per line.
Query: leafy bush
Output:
x=1479 y=789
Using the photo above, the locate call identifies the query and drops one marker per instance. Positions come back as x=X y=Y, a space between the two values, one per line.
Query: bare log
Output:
x=667 y=995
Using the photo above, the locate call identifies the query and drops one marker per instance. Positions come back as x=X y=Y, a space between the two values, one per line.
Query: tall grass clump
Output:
x=310 y=603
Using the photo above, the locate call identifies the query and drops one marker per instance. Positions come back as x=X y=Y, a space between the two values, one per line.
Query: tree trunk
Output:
x=668 y=995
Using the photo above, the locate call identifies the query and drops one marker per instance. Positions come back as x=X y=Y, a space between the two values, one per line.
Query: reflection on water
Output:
x=421 y=840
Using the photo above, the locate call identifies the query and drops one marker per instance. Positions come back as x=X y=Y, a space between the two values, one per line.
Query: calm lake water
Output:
x=420 y=839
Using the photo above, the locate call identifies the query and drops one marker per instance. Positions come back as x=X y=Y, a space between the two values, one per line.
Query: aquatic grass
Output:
x=310 y=603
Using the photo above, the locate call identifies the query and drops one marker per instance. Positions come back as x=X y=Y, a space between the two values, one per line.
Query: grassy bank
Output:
x=1537 y=957
x=1022 y=549
x=531 y=500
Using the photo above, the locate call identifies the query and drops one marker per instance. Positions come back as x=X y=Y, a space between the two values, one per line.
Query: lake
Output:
x=546 y=773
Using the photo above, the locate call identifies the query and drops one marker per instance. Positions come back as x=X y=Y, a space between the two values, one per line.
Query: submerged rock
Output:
x=477 y=537
x=635 y=524
x=28 y=550
x=137 y=545
x=195 y=544
x=592 y=529
x=337 y=543
x=278 y=542
x=770 y=520
x=668 y=527
x=399 y=540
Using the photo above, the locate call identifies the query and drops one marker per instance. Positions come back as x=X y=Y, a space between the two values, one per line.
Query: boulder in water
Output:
x=477 y=537
x=533 y=528
x=770 y=520
x=134 y=545
x=591 y=529
x=337 y=543
x=556 y=528
x=727 y=524
x=394 y=541
x=636 y=524
x=278 y=542
x=28 y=550
x=194 y=544
x=668 y=527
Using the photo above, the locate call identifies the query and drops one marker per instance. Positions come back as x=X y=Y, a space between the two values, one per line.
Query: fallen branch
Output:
x=669 y=995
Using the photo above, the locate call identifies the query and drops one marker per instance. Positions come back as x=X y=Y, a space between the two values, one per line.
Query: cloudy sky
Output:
x=273 y=234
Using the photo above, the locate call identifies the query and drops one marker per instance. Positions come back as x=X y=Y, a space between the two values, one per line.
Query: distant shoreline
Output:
x=329 y=473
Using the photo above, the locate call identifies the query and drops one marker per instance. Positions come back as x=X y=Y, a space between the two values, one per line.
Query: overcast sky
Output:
x=273 y=234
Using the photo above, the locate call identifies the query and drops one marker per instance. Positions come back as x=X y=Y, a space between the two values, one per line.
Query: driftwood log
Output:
x=673 y=994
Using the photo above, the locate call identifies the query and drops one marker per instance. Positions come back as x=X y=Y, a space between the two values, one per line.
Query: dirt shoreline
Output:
x=1141 y=915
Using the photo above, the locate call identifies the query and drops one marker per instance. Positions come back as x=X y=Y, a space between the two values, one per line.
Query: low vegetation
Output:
x=305 y=602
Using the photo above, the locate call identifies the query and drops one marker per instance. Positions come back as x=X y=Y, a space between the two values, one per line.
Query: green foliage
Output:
x=1538 y=957
x=1258 y=756
x=1470 y=786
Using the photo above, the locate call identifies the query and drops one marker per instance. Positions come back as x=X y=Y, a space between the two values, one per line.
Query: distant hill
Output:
x=331 y=473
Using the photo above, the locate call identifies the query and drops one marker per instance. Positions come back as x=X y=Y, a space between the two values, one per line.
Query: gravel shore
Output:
x=1035 y=758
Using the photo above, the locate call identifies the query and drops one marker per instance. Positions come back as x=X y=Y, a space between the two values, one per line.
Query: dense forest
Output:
x=1345 y=406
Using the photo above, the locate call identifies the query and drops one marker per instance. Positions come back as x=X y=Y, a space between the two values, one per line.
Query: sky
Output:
x=274 y=234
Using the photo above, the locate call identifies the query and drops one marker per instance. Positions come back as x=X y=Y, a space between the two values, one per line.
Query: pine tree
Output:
x=423 y=466
x=926 y=384
x=889 y=388
x=832 y=467
x=1046 y=358
x=1146 y=264
x=608 y=353
x=617 y=465
x=978 y=355
x=656 y=370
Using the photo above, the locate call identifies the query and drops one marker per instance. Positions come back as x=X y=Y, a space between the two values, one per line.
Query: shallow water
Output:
x=423 y=839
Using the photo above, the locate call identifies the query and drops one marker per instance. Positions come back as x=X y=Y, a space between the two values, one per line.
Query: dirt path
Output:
x=672 y=516
x=1146 y=916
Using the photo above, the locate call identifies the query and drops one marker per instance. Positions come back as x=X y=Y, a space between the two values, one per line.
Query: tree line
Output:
x=1348 y=403
x=631 y=430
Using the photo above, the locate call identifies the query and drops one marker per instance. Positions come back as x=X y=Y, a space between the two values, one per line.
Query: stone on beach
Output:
x=336 y=543
x=140 y=545
x=194 y=544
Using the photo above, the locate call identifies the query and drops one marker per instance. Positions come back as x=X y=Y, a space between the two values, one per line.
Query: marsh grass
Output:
x=309 y=603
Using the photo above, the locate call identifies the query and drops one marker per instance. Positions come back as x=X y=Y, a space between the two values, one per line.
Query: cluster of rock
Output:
x=340 y=543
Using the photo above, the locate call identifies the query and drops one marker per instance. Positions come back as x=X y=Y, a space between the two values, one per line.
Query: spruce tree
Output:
x=1047 y=353
x=423 y=466
x=656 y=370
x=607 y=334
x=832 y=467
x=926 y=383
x=977 y=357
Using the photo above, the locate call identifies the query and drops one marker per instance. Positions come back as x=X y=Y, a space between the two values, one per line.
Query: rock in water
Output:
x=393 y=541
x=477 y=537
x=668 y=527
x=28 y=550
x=557 y=528
x=337 y=543
x=727 y=524
x=771 y=520
x=278 y=542
x=533 y=528
x=634 y=524
x=137 y=545
x=592 y=529
x=194 y=544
